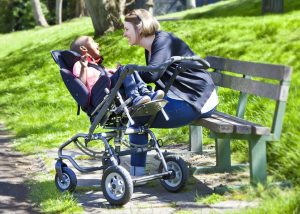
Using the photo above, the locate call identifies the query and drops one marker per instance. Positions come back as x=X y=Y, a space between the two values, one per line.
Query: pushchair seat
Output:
x=89 y=101
x=66 y=59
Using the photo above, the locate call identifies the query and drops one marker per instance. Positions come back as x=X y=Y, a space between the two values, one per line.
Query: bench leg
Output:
x=223 y=159
x=195 y=139
x=258 y=161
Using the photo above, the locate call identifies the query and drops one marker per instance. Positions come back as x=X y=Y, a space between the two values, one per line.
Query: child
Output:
x=89 y=69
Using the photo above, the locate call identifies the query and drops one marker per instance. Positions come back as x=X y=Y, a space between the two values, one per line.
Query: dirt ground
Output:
x=14 y=168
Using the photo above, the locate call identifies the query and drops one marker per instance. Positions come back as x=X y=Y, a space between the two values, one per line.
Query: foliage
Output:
x=17 y=15
x=68 y=11
x=275 y=200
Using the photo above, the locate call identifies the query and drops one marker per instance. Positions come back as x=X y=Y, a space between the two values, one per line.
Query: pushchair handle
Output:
x=181 y=59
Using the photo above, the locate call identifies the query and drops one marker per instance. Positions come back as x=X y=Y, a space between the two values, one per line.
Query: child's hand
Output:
x=84 y=61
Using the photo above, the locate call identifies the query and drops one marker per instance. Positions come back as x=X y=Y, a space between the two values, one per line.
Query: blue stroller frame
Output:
x=111 y=112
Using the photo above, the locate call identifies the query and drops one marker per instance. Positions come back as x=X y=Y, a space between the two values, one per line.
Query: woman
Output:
x=192 y=94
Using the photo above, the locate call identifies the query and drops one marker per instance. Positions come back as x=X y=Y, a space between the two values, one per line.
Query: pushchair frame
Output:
x=118 y=184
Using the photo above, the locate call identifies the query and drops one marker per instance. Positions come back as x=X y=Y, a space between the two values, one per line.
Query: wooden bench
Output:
x=247 y=78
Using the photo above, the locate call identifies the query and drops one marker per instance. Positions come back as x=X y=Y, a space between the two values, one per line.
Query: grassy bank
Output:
x=37 y=107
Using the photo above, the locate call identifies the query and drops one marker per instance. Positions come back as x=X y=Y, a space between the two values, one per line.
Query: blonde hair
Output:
x=80 y=41
x=143 y=21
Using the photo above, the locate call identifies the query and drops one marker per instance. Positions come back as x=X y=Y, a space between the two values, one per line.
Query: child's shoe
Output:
x=157 y=95
x=141 y=100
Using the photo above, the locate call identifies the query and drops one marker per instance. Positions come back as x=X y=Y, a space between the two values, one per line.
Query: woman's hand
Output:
x=118 y=65
x=111 y=71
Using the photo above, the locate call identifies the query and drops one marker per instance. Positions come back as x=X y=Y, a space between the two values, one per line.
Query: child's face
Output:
x=93 y=48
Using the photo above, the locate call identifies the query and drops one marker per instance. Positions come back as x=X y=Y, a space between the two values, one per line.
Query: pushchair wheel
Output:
x=117 y=185
x=68 y=181
x=179 y=176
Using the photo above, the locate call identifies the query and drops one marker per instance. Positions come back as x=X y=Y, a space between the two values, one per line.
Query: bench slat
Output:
x=224 y=123
x=238 y=127
x=214 y=125
x=257 y=129
x=269 y=71
x=249 y=86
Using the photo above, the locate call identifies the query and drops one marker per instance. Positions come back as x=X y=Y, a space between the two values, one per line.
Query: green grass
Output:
x=270 y=199
x=45 y=195
x=36 y=106
x=275 y=200
x=229 y=8
x=211 y=199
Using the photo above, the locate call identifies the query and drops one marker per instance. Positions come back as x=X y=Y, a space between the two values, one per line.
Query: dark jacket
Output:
x=193 y=86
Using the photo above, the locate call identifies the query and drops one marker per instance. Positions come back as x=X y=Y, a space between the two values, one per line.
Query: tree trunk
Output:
x=105 y=15
x=58 y=11
x=38 y=13
x=149 y=6
x=129 y=5
x=80 y=8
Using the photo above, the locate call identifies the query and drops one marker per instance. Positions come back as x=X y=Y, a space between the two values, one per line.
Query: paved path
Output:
x=13 y=192
x=151 y=198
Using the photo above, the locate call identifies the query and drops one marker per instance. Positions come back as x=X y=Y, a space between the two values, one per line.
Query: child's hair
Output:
x=144 y=21
x=80 y=41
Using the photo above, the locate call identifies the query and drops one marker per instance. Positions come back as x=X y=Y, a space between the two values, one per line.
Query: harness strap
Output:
x=78 y=109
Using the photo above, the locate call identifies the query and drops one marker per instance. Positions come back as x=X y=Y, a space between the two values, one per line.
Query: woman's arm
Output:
x=160 y=52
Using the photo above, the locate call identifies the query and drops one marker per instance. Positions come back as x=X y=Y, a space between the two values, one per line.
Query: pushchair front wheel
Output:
x=177 y=180
x=117 y=185
x=67 y=182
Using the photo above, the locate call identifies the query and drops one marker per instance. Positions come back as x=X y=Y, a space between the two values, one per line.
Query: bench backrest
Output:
x=254 y=78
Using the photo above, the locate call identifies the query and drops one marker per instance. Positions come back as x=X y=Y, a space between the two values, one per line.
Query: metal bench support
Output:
x=258 y=161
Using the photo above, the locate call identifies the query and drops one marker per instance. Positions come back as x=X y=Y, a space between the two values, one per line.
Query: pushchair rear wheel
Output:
x=117 y=185
x=177 y=180
x=68 y=182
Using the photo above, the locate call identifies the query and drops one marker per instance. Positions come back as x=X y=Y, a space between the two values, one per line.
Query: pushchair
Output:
x=113 y=114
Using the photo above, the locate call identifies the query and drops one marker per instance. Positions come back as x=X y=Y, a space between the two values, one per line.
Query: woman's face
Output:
x=130 y=33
